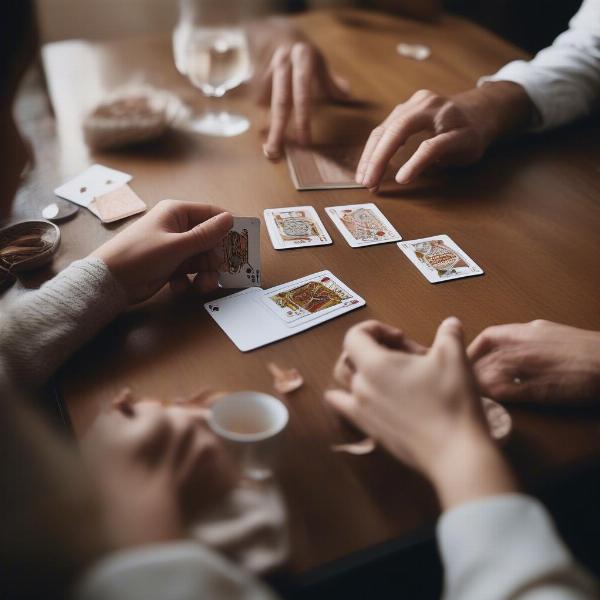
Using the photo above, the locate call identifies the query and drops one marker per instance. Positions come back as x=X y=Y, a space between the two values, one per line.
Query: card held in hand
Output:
x=439 y=259
x=239 y=254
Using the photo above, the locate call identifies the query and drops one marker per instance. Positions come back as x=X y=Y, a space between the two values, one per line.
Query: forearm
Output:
x=42 y=328
x=470 y=468
x=563 y=80
x=498 y=109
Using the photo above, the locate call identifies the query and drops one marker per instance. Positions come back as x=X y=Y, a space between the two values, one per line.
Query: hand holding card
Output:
x=173 y=240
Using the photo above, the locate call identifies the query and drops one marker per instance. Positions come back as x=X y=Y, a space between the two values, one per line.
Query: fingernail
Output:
x=374 y=189
x=452 y=321
x=269 y=153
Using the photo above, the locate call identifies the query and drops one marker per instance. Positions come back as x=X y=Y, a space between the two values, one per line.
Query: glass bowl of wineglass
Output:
x=211 y=49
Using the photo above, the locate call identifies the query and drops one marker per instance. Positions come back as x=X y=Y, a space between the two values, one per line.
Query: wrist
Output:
x=497 y=109
x=469 y=467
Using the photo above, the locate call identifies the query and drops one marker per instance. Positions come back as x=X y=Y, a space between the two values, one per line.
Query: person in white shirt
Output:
x=561 y=84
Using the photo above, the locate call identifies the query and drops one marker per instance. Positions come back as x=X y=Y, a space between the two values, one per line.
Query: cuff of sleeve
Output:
x=553 y=102
x=511 y=535
x=87 y=283
x=179 y=571
x=42 y=328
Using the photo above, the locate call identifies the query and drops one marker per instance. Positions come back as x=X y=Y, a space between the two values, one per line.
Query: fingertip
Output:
x=224 y=219
x=271 y=152
x=402 y=178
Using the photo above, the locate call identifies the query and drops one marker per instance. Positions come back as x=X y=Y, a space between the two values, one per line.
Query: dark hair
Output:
x=18 y=36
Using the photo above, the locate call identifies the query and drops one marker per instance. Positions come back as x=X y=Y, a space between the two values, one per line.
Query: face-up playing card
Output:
x=323 y=167
x=239 y=254
x=249 y=322
x=93 y=182
x=439 y=258
x=362 y=224
x=295 y=227
x=309 y=298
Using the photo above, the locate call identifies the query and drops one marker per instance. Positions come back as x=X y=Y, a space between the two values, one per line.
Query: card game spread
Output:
x=362 y=224
x=439 y=259
x=295 y=227
x=323 y=167
x=239 y=254
x=255 y=317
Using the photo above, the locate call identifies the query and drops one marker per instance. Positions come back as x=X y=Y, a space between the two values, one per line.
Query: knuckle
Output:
x=378 y=132
x=167 y=205
x=429 y=146
x=282 y=103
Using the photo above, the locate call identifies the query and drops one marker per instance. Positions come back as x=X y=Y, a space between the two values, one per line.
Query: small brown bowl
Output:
x=48 y=232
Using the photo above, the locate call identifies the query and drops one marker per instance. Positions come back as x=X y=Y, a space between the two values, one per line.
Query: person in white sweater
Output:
x=82 y=517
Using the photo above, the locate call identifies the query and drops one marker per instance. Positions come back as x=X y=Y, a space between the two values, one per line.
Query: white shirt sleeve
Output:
x=506 y=547
x=178 y=571
x=563 y=80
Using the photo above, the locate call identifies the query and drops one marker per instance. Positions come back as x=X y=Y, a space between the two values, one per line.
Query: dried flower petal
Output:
x=365 y=446
x=285 y=380
x=499 y=421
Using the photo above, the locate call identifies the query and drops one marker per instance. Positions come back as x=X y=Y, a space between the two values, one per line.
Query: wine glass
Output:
x=211 y=49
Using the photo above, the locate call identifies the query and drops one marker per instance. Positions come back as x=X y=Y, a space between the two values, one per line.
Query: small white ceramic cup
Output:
x=249 y=422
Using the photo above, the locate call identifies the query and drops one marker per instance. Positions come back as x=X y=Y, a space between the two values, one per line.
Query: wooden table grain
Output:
x=529 y=214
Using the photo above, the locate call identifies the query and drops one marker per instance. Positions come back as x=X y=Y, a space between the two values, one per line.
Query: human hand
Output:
x=459 y=130
x=157 y=468
x=295 y=72
x=172 y=240
x=422 y=405
x=539 y=361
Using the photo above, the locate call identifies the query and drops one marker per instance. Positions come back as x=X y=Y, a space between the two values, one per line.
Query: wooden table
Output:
x=529 y=214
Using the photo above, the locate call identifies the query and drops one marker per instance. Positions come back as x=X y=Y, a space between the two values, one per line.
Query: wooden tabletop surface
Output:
x=529 y=214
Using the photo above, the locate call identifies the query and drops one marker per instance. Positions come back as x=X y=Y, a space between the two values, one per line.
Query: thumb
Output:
x=449 y=338
x=205 y=236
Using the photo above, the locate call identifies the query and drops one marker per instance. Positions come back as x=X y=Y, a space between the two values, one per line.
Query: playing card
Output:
x=323 y=167
x=309 y=298
x=439 y=258
x=93 y=182
x=250 y=324
x=116 y=205
x=295 y=227
x=239 y=254
x=362 y=224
